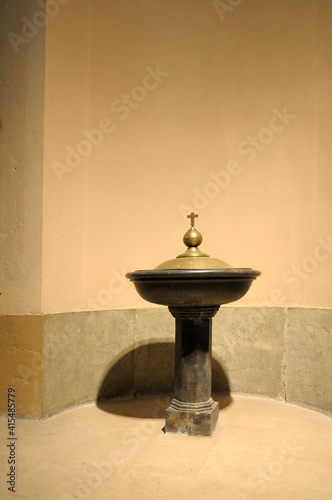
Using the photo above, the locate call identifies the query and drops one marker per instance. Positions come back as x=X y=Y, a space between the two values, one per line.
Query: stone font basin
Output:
x=193 y=287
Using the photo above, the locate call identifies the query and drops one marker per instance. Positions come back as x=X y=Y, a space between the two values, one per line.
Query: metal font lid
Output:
x=193 y=257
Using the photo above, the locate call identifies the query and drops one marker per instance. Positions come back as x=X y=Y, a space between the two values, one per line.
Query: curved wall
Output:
x=119 y=118
x=274 y=352
x=155 y=109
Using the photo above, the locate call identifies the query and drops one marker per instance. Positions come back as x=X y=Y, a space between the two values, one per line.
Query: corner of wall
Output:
x=21 y=362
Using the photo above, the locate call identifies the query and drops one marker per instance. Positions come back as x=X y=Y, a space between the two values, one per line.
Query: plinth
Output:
x=193 y=411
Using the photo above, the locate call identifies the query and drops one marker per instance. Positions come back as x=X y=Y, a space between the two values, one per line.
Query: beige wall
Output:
x=119 y=204
x=177 y=142
x=226 y=76
x=21 y=140
x=65 y=208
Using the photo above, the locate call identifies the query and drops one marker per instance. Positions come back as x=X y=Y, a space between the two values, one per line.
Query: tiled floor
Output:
x=261 y=449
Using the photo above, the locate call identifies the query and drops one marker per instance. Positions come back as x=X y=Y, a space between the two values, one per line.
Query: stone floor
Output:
x=261 y=449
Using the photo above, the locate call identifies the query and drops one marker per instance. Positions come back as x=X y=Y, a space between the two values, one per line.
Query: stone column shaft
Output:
x=193 y=360
x=193 y=411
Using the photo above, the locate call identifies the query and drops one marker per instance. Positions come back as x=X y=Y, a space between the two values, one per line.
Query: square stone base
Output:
x=194 y=419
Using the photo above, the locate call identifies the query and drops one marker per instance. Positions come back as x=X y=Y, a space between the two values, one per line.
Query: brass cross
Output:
x=192 y=217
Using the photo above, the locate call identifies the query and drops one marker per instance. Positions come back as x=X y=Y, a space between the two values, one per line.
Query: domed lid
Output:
x=193 y=257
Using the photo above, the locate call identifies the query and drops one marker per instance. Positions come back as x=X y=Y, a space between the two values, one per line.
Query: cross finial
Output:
x=192 y=217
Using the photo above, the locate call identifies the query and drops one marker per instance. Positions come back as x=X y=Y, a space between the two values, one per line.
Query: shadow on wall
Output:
x=149 y=369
